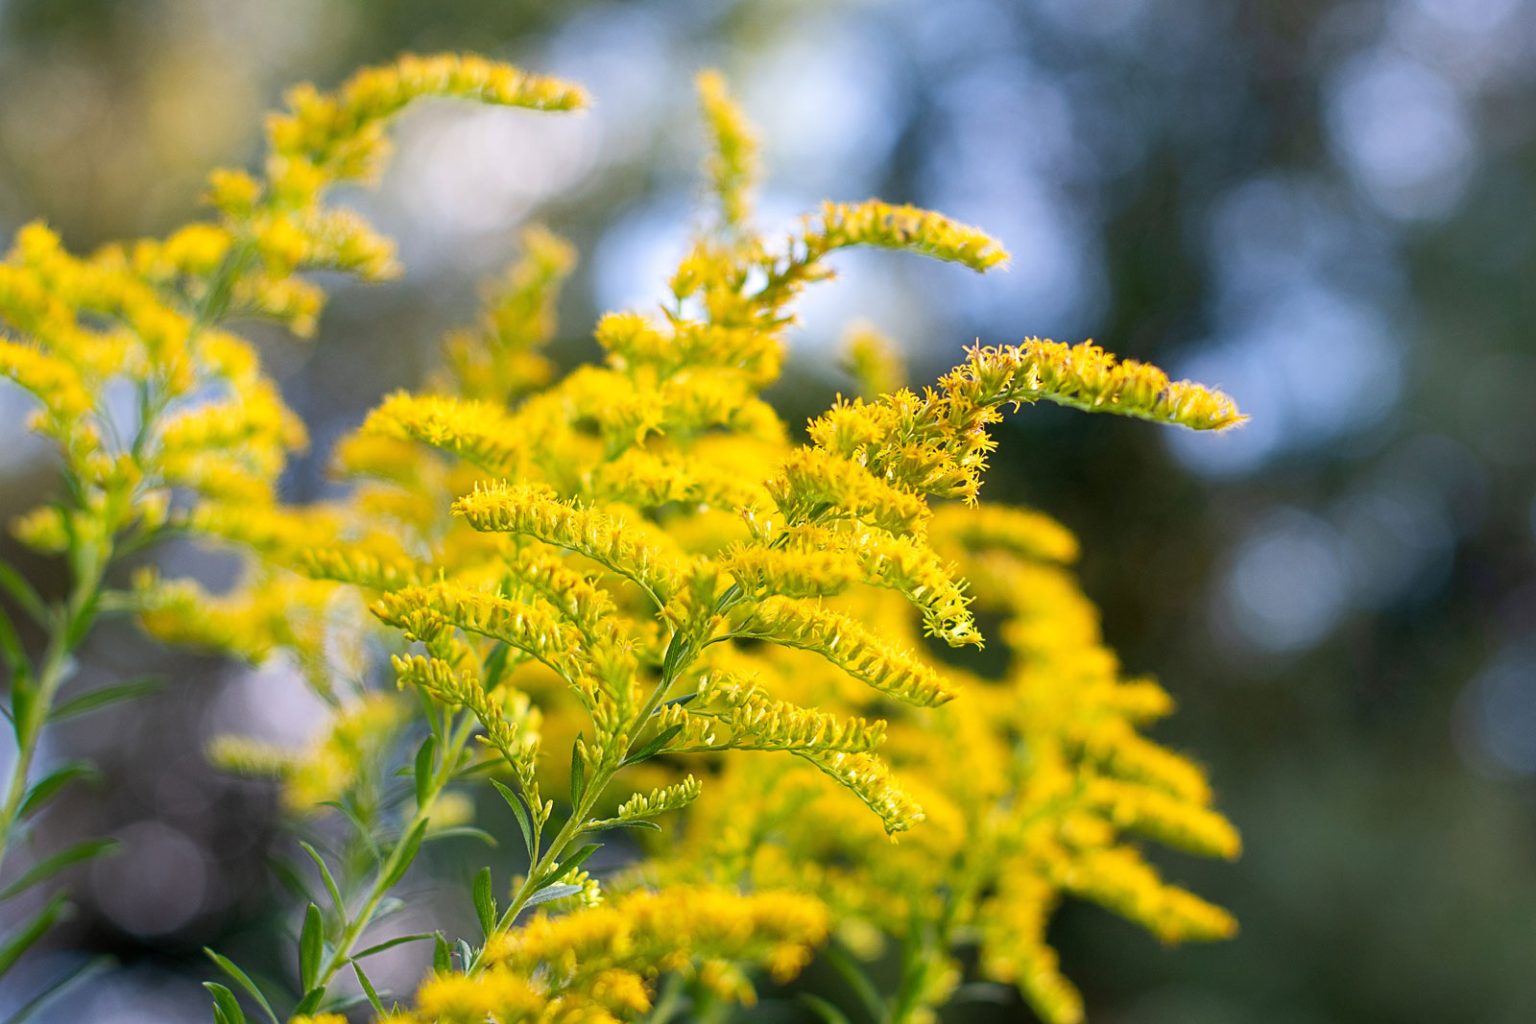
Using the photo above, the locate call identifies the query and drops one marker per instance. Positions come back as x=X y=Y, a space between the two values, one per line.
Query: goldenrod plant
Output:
x=627 y=601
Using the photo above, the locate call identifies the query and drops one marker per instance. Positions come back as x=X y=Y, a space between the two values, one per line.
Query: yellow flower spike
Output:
x=814 y=484
x=476 y=431
x=241 y=755
x=659 y=801
x=371 y=570
x=897 y=563
x=845 y=643
x=328 y=767
x=535 y=630
x=534 y=512
x=872 y=222
x=790 y=573
x=1018 y=531
x=1122 y=881
x=757 y=721
x=648 y=479
x=499 y=357
x=733 y=162
x=1176 y=822
x=869 y=779
x=1087 y=378
x=339 y=131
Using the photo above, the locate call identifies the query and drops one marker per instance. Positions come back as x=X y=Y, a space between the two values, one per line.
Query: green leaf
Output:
x=70 y=979
x=50 y=866
x=10 y=646
x=35 y=928
x=652 y=748
x=389 y=906
x=985 y=992
x=22 y=695
x=290 y=878
x=405 y=853
x=310 y=1002
x=572 y=862
x=424 y=770
x=442 y=954
x=242 y=979
x=485 y=901
x=226 y=1008
x=45 y=788
x=842 y=961
x=104 y=697
x=399 y=940
x=550 y=893
x=641 y=823
x=578 y=773
x=523 y=821
x=368 y=989
x=821 y=1008
x=459 y=831
x=472 y=768
x=22 y=592
x=327 y=878
x=363 y=829
x=311 y=947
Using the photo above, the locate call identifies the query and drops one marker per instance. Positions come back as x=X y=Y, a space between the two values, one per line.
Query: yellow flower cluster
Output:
x=596 y=965
x=329 y=767
x=635 y=564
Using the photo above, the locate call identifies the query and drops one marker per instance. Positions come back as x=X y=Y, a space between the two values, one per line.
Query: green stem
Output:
x=341 y=954
x=89 y=562
x=678 y=655
x=68 y=628
x=670 y=1002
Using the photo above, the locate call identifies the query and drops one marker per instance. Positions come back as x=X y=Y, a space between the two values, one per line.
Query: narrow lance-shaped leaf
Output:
x=325 y=876
x=463 y=832
x=310 y=1002
x=59 y=986
x=653 y=746
x=485 y=900
x=368 y=989
x=550 y=893
x=104 y=697
x=578 y=773
x=424 y=770
x=226 y=1008
x=406 y=854
x=242 y=979
x=572 y=862
x=31 y=930
x=50 y=866
x=523 y=821
x=49 y=785
x=22 y=592
x=398 y=940
x=311 y=947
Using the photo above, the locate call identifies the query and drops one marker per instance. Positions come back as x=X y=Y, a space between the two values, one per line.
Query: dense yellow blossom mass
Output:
x=628 y=599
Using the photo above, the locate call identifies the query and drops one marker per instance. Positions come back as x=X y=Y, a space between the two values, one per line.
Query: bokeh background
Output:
x=1327 y=208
